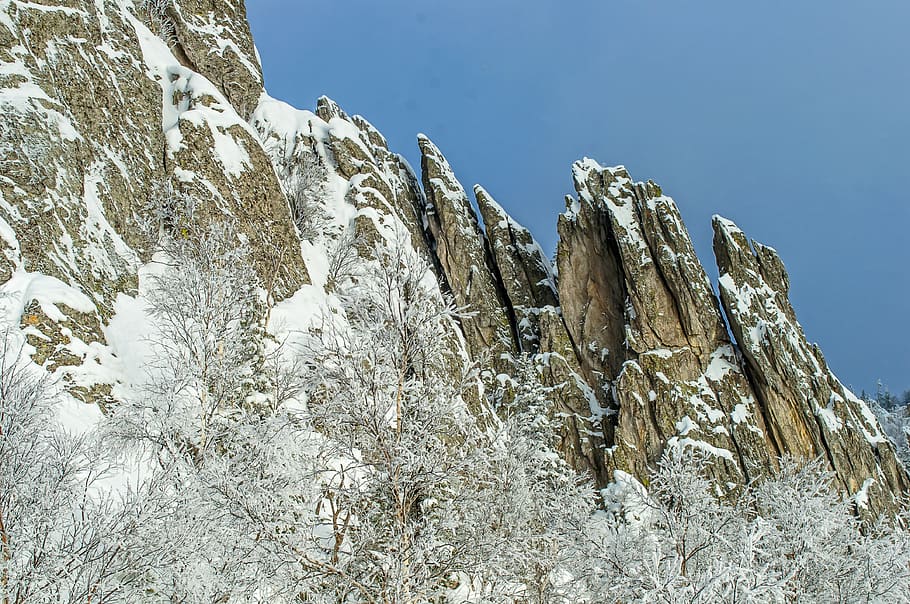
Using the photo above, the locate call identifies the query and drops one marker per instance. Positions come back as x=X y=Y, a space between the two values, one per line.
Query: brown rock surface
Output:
x=648 y=330
x=465 y=260
x=808 y=412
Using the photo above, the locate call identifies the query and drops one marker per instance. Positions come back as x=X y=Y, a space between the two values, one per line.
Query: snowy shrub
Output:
x=402 y=437
x=232 y=466
x=303 y=179
x=159 y=19
x=345 y=262
x=535 y=504
x=166 y=212
x=59 y=538
x=894 y=417
x=423 y=499
x=203 y=299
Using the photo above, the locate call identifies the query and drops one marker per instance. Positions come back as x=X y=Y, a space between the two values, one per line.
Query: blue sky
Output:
x=790 y=118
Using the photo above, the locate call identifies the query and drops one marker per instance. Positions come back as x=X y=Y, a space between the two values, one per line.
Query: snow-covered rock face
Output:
x=101 y=118
x=523 y=268
x=649 y=332
x=213 y=36
x=809 y=412
x=465 y=258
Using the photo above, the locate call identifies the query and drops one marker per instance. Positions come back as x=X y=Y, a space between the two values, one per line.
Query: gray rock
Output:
x=807 y=410
x=466 y=262
x=213 y=37
x=648 y=331
x=86 y=151
x=522 y=267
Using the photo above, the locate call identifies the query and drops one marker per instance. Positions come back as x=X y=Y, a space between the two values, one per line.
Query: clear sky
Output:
x=791 y=118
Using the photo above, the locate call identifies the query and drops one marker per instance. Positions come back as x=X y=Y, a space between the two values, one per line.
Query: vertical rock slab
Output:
x=581 y=436
x=465 y=260
x=530 y=286
x=526 y=273
x=648 y=331
x=807 y=410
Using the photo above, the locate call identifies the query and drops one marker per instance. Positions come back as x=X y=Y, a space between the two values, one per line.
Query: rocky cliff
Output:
x=109 y=108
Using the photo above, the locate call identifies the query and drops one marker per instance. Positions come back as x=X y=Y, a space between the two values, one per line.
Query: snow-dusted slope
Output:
x=102 y=124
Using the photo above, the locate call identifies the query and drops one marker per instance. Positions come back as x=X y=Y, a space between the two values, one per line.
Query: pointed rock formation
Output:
x=807 y=410
x=648 y=330
x=526 y=273
x=530 y=286
x=627 y=334
x=465 y=260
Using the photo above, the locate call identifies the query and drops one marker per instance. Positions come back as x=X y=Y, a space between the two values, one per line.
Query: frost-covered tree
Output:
x=787 y=538
x=203 y=296
x=235 y=527
x=403 y=441
x=535 y=504
x=60 y=531
x=157 y=14
x=232 y=462
x=303 y=178
x=893 y=413
x=424 y=501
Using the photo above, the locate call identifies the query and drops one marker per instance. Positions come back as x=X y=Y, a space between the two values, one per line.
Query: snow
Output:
x=721 y=364
x=292 y=318
x=861 y=497
x=127 y=335
x=870 y=427
x=48 y=292
x=728 y=225
x=76 y=417
x=9 y=237
x=628 y=497
x=684 y=443
x=686 y=425
x=832 y=422
x=191 y=98
x=740 y=414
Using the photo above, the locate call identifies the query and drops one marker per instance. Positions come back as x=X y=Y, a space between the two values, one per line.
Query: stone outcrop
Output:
x=529 y=283
x=523 y=268
x=649 y=330
x=809 y=413
x=99 y=118
x=376 y=183
x=465 y=260
x=632 y=342
x=213 y=38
